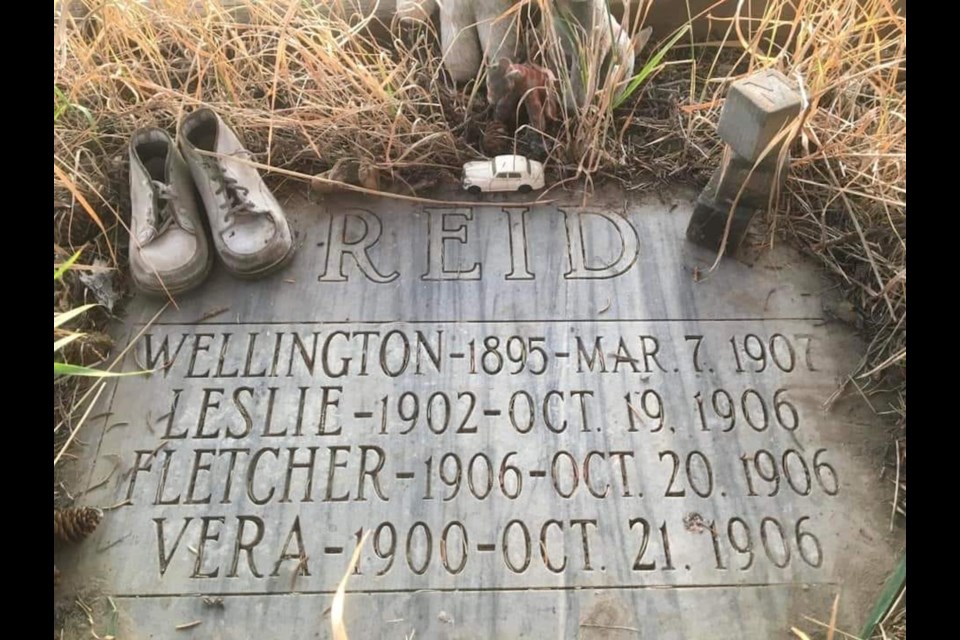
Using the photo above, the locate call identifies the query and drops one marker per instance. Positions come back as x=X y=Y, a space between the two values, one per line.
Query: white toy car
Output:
x=503 y=173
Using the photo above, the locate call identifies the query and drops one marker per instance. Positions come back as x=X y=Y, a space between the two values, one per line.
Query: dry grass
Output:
x=894 y=627
x=306 y=86
x=845 y=200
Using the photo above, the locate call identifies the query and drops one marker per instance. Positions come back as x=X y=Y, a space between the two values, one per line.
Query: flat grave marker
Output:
x=545 y=423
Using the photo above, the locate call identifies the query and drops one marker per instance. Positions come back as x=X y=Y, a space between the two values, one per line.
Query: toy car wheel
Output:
x=524 y=188
x=474 y=189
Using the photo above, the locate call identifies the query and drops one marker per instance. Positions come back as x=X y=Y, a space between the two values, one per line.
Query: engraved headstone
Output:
x=547 y=426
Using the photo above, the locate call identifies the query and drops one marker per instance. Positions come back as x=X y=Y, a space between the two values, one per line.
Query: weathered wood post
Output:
x=758 y=110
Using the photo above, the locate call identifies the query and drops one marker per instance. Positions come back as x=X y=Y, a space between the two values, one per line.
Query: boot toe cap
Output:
x=256 y=246
x=174 y=262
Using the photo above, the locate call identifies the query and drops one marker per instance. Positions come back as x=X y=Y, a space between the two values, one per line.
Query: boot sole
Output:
x=188 y=286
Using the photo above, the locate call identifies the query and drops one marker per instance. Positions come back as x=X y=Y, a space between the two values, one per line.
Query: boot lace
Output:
x=166 y=200
x=237 y=198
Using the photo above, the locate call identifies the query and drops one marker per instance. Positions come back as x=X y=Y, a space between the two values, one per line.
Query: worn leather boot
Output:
x=249 y=229
x=169 y=252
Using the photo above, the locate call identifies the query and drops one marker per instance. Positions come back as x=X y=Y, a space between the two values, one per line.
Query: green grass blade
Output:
x=895 y=583
x=62 y=105
x=64 y=369
x=567 y=25
x=60 y=318
x=652 y=64
x=62 y=342
x=86 y=114
x=58 y=273
x=65 y=104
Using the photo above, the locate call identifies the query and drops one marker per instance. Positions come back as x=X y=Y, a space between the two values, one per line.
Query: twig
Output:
x=188 y=625
x=280 y=55
x=123 y=423
x=833 y=618
x=124 y=503
x=101 y=549
x=102 y=482
x=901 y=355
x=896 y=489
x=372 y=192
x=840 y=631
x=608 y=626
x=213 y=313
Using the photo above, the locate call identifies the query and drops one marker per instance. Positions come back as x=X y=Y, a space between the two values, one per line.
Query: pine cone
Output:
x=75 y=524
